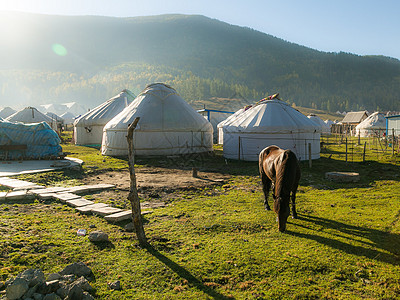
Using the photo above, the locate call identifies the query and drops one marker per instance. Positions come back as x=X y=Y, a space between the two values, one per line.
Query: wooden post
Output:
x=133 y=194
x=309 y=155
x=194 y=172
x=365 y=145
x=346 y=149
x=392 y=141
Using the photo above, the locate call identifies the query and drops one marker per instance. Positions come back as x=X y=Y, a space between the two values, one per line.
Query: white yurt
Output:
x=75 y=108
x=374 y=125
x=88 y=128
x=270 y=122
x=68 y=117
x=215 y=117
x=227 y=120
x=6 y=112
x=324 y=127
x=168 y=126
x=30 y=115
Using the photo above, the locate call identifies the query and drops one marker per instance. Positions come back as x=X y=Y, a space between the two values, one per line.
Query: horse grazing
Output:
x=281 y=168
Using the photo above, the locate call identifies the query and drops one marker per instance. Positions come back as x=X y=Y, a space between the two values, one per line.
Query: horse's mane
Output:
x=285 y=174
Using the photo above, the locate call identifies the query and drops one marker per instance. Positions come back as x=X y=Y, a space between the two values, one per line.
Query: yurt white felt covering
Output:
x=88 y=129
x=30 y=115
x=317 y=120
x=270 y=122
x=375 y=124
x=168 y=126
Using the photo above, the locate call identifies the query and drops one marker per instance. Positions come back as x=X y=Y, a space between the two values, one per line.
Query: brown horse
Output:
x=281 y=168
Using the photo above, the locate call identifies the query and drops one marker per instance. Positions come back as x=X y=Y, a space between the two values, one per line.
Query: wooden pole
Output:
x=365 y=145
x=309 y=155
x=393 y=141
x=133 y=194
x=346 y=149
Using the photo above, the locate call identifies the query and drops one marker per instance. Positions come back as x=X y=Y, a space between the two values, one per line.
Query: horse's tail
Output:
x=285 y=176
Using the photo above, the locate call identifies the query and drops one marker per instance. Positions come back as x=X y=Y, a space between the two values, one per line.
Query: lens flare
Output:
x=59 y=49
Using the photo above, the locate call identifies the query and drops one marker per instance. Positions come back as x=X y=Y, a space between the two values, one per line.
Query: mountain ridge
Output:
x=198 y=50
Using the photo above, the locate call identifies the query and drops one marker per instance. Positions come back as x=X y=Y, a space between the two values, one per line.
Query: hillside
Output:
x=89 y=59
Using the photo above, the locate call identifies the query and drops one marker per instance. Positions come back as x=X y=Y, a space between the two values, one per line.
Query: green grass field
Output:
x=220 y=243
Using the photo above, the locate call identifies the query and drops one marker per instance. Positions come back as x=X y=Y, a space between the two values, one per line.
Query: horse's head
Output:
x=282 y=209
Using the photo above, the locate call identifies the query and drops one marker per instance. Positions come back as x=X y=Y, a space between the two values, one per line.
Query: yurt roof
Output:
x=317 y=120
x=272 y=116
x=54 y=116
x=103 y=113
x=29 y=115
x=235 y=115
x=6 y=111
x=376 y=120
x=75 y=108
x=160 y=108
x=68 y=117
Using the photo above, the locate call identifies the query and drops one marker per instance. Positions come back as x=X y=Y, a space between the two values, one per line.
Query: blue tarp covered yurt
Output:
x=28 y=141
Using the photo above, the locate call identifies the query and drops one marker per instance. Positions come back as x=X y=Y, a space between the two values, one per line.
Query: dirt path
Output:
x=157 y=185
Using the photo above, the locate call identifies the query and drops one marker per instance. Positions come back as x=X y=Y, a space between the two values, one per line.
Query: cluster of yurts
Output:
x=170 y=126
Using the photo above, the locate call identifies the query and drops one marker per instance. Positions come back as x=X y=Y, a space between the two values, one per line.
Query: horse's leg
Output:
x=266 y=182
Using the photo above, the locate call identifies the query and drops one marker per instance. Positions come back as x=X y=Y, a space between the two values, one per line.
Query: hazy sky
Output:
x=357 y=26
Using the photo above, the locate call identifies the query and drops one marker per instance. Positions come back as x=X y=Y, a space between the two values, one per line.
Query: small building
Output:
x=393 y=125
x=351 y=120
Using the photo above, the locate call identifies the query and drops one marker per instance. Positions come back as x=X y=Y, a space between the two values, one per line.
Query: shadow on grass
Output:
x=371 y=243
x=183 y=273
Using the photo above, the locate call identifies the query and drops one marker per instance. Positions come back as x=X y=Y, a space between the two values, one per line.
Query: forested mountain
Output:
x=89 y=59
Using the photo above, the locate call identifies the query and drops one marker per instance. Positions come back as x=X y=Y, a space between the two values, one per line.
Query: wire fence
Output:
x=378 y=146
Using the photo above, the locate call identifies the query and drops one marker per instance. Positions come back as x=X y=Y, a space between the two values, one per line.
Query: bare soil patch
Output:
x=156 y=185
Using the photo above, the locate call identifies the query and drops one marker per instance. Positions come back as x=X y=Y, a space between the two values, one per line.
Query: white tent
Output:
x=215 y=117
x=55 y=117
x=61 y=108
x=30 y=115
x=375 y=124
x=227 y=120
x=270 y=122
x=6 y=112
x=330 y=123
x=75 y=108
x=317 y=120
x=88 y=129
x=68 y=117
x=168 y=126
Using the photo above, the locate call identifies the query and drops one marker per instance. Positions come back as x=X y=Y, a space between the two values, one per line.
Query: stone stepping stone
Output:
x=81 y=202
x=18 y=184
x=64 y=197
x=46 y=196
x=106 y=210
x=80 y=189
x=55 y=189
x=29 y=187
x=343 y=176
x=119 y=216
x=16 y=195
x=89 y=208
x=123 y=215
